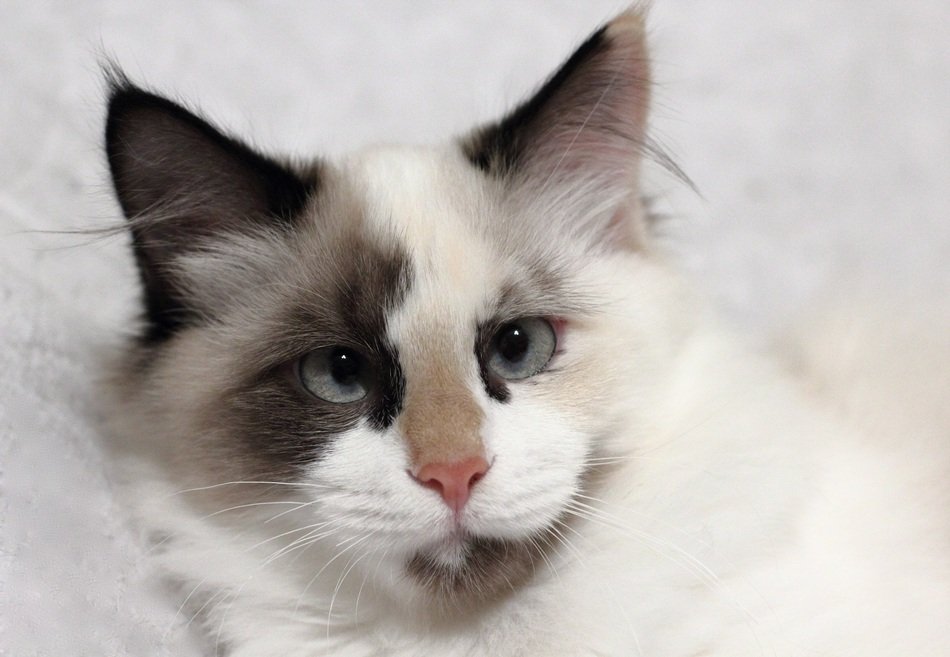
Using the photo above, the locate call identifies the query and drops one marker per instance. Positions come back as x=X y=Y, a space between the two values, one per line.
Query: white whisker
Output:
x=352 y=542
x=350 y=564
x=255 y=504
x=283 y=513
x=249 y=482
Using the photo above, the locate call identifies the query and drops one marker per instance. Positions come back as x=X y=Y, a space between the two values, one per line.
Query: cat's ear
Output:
x=582 y=134
x=182 y=183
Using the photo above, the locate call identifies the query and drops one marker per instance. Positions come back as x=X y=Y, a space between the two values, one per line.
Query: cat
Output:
x=457 y=401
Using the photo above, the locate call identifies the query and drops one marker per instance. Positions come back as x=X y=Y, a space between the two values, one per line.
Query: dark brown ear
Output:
x=585 y=126
x=181 y=183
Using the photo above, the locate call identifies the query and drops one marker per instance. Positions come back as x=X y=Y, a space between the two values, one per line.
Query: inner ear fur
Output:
x=578 y=142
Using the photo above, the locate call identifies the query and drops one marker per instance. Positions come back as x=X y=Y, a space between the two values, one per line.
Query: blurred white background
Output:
x=818 y=133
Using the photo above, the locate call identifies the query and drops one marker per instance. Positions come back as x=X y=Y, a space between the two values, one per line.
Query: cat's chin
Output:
x=469 y=568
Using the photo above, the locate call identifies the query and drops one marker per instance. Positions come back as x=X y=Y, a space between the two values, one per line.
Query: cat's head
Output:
x=434 y=346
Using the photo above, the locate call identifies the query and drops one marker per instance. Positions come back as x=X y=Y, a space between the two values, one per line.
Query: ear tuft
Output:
x=583 y=130
x=599 y=96
x=182 y=183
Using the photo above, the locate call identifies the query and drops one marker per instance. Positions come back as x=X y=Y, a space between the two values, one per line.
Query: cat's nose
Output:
x=453 y=481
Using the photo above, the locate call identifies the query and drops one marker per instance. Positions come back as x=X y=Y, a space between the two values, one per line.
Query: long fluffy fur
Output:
x=659 y=490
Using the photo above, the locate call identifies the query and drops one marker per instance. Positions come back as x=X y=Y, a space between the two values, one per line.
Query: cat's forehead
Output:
x=402 y=245
x=436 y=209
x=429 y=197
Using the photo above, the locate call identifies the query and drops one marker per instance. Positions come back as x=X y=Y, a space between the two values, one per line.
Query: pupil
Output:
x=513 y=344
x=344 y=367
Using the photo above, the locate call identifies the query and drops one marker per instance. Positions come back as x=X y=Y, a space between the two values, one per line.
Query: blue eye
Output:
x=335 y=374
x=520 y=349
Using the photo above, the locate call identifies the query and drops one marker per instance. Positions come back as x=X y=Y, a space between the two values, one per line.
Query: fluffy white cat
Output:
x=455 y=401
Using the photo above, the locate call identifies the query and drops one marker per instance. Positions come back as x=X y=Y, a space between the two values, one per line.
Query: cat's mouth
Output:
x=473 y=567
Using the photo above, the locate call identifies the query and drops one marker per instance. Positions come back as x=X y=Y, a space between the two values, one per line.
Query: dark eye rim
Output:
x=294 y=368
x=489 y=336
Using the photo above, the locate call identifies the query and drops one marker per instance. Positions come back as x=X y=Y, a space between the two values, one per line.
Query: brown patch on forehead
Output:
x=441 y=419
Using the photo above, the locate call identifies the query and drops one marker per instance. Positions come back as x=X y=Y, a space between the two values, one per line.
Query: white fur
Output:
x=745 y=514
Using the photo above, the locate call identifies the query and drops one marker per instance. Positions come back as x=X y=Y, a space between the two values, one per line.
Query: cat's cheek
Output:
x=363 y=483
x=539 y=461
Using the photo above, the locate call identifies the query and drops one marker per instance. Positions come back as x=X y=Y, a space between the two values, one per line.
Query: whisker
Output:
x=206 y=603
x=544 y=557
x=693 y=564
x=353 y=542
x=648 y=517
x=170 y=535
x=618 y=458
x=287 y=533
x=612 y=593
x=350 y=564
x=697 y=567
x=232 y=597
x=314 y=536
x=181 y=608
x=359 y=593
x=249 y=483
x=283 y=513
x=253 y=504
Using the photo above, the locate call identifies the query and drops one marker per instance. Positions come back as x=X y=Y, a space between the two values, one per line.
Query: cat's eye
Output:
x=521 y=348
x=335 y=374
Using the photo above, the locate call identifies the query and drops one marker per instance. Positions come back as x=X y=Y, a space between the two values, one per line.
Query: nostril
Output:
x=432 y=483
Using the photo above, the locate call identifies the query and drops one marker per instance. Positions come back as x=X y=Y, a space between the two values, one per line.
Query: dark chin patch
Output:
x=490 y=569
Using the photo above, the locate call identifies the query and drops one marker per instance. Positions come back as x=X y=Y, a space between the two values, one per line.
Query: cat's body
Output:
x=651 y=489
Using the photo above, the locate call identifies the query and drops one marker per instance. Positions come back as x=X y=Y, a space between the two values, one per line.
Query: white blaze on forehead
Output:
x=431 y=202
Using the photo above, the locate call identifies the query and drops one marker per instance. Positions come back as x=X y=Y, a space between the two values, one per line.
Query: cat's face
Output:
x=432 y=345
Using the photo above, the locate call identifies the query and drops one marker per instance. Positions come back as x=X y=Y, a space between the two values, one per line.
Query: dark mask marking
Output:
x=276 y=422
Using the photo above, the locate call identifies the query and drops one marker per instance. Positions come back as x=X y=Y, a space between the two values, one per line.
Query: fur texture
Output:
x=655 y=489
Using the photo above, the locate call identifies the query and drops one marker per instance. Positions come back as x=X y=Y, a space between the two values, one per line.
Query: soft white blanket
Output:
x=818 y=133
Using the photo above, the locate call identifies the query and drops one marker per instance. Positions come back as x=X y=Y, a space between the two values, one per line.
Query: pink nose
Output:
x=453 y=481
